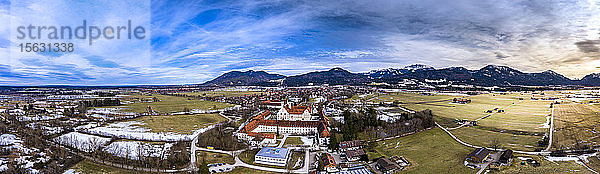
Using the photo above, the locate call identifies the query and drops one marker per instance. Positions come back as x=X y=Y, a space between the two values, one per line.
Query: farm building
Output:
x=461 y=100
x=355 y=155
x=506 y=156
x=478 y=155
x=386 y=166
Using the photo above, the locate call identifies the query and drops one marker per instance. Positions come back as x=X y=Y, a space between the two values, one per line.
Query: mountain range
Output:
x=491 y=75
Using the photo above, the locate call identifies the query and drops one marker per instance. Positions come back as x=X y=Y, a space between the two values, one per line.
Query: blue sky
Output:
x=194 y=41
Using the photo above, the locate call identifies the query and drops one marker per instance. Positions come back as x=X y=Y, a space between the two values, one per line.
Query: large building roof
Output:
x=296 y=109
x=272 y=152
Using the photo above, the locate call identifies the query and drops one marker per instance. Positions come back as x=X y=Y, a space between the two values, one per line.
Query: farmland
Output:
x=577 y=126
x=183 y=124
x=417 y=148
x=545 y=166
x=485 y=138
x=520 y=115
x=401 y=97
x=169 y=104
x=526 y=115
x=86 y=166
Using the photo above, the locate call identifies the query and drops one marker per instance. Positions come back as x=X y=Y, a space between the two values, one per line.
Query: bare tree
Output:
x=495 y=143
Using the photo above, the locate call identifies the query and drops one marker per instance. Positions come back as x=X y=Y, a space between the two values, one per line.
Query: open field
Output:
x=432 y=151
x=170 y=104
x=86 y=166
x=403 y=97
x=476 y=109
x=212 y=157
x=480 y=137
x=183 y=124
x=594 y=163
x=525 y=115
x=520 y=115
x=293 y=141
x=576 y=125
x=545 y=167
x=224 y=93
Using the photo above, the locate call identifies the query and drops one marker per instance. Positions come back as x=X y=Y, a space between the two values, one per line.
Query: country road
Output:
x=551 y=130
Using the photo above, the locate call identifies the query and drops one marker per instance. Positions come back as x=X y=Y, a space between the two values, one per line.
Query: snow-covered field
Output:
x=131 y=130
x=26 y=158
x=40 y=117
x=107 y=111
x=306 y=141
x=8 y=139
x=83 y=142
x=133 y=149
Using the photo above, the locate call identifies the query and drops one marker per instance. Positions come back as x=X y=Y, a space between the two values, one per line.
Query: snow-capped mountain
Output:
x=491 y=75
x=382 y=73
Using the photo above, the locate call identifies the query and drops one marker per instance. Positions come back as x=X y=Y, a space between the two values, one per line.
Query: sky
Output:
x=190 y=42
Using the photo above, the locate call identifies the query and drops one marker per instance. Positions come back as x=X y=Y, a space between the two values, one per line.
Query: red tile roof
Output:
x=296 y=109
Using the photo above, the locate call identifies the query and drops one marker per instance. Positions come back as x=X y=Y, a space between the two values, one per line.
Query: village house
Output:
x=350 y=145
x=275 y=104
x=328 y=163
x=356 y=155
x=461 y=100
x=478 y=155
x=506 y=157
x=386 y=166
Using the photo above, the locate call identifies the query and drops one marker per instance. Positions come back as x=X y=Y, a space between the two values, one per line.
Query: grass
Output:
x=476 y=109
x=431 y=151
x=224 y=93
x=400 y=96
x=183 y=124
x=86 y=166
x=480 y=137
x=244 y=170
x=212 y=157
x=297 y=156
x=594 y=163
x=525 y=115
x=248 y=156
x=575 y=123
x=170 y=104
x=545 y=167
x=293 y=141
